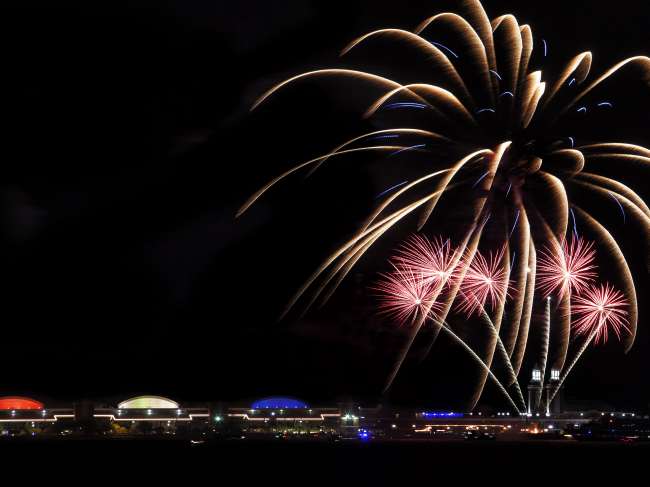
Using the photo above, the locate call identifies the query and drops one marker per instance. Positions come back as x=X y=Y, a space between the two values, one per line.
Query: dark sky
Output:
x=127 y=148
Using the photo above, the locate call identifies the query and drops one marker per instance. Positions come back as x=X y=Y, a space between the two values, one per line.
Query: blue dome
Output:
x=279 y=403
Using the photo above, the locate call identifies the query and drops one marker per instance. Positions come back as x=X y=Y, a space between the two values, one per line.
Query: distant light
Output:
x=450 y=414
x=218 y=418
x=149 y=412
x=393 y=426
x=279 y=403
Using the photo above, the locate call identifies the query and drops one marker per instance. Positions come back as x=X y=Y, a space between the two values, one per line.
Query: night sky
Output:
x=128 y=146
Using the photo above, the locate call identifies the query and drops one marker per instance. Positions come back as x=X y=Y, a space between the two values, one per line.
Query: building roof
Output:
x=279 y=403
x=148 y=402
x=15 y=402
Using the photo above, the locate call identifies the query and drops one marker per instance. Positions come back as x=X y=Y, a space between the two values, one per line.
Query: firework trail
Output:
x=488 y=89
x=599 y=309
x=512 y=376
x=445 y=328
x=409 y=298
x=546 y=336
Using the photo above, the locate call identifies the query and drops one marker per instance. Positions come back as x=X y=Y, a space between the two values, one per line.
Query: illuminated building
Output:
x=19 y=404
x=152 y=414
x=554 y=407
x=539 y=394
x=281 y=417
x=26 y=415
x=534 y=391
x=284 y=416
x=148 y=402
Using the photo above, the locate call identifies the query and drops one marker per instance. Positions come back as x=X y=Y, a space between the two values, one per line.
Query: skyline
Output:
x=134 y=275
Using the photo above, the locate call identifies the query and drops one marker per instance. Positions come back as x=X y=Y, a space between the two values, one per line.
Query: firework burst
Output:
x=405 y=296
x=598 y=310
x=485 y=285
x=490 y=105
x=569 y=269
x=435 y=260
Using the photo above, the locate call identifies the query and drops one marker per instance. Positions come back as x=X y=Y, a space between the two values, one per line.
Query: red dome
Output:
x=19 y=403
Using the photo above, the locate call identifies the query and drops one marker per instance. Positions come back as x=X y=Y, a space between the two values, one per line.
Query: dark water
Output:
x=244 y=462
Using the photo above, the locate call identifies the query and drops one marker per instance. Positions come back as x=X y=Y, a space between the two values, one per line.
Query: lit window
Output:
x=537 y=375
x=555 y=374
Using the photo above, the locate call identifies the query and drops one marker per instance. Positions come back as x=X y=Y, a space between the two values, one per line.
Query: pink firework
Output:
x=435 y=260
x=405 y=296
x=597 y=310
x=485 y=284
x=570 y=270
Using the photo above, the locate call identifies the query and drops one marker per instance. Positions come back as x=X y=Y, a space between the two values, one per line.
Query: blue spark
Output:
x=480 y=179
x=507 y=93
x=378 y=137
x=573 y=80
x=575 y=225
x=545 y=47
x=620 y=206
x=487 y=219
x=515 y=224
x=413 y=147
x=437 y=44
x=405 y=105
x=514 y=259
x=390 y=189
x=496 y=74
x=509 y=188
x=582 y=109
x=572 y=140
x=492 y=110
x=605 y=104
